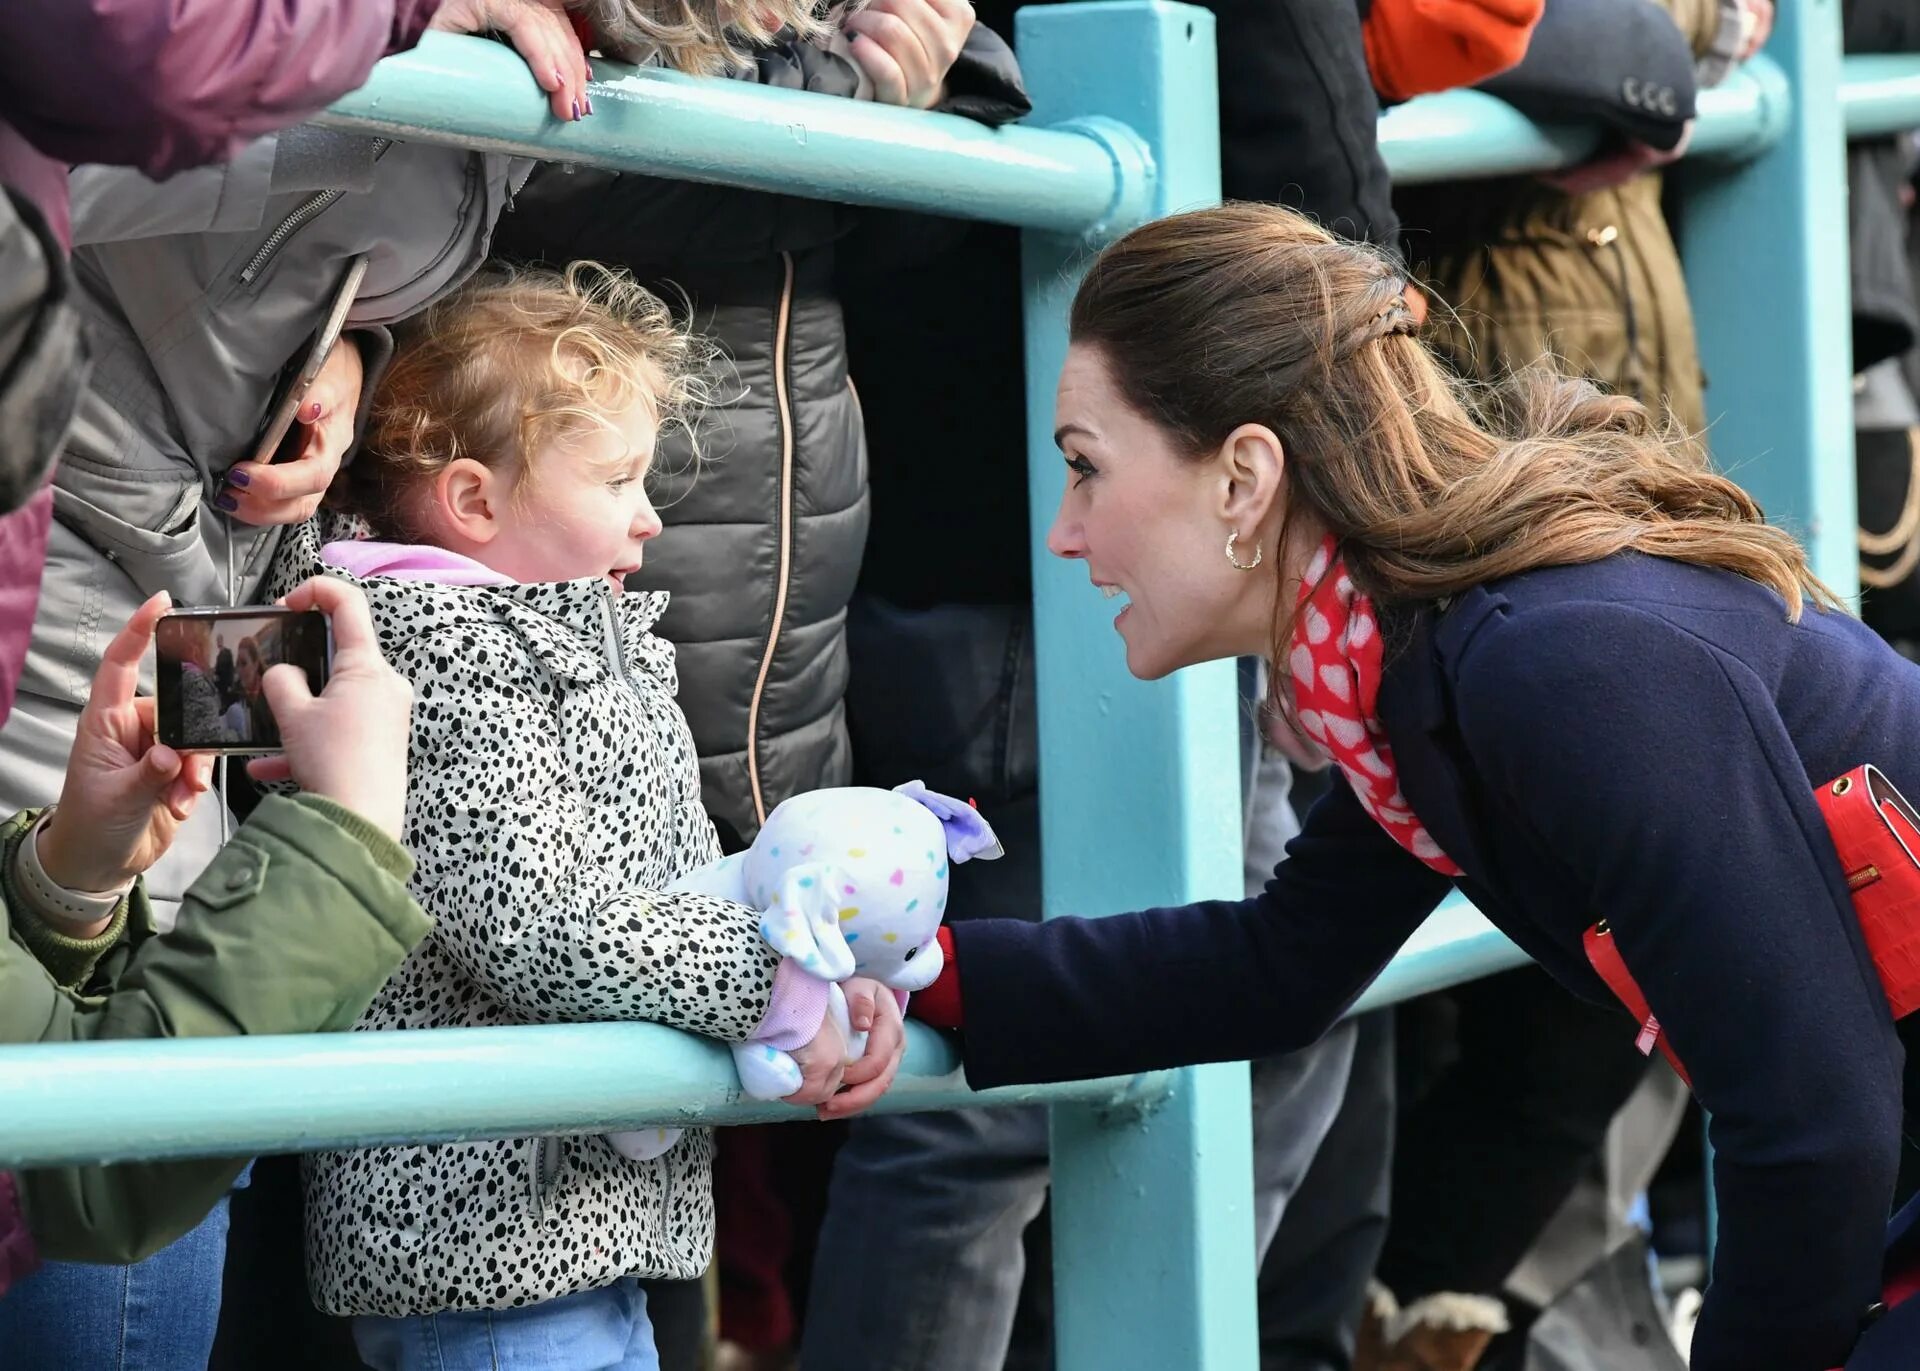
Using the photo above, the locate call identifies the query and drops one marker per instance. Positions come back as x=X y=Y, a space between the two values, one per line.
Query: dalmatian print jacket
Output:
x=553 y=793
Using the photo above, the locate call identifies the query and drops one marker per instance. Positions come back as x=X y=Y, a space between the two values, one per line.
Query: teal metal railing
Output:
x=1152 y=1231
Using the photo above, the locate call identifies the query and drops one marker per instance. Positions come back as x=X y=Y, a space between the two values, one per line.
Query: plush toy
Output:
x=850 y=882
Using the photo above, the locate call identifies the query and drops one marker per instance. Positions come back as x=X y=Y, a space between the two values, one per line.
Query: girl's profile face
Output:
x=581 y=507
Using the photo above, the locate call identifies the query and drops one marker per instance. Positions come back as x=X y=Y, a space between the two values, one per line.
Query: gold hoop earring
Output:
x=1239 y=565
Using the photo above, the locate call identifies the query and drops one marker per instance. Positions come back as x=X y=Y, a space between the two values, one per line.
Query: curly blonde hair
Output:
x=701 y=37
x=509 y=364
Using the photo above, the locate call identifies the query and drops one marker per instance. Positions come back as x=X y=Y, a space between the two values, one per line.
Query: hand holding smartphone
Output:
x=280 y=438
x=212 y=665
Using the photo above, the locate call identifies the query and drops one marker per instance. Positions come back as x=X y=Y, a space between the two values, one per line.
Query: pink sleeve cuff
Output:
x=794 y=1012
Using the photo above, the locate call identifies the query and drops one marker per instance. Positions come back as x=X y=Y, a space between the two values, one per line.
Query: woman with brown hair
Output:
x=1561 y=665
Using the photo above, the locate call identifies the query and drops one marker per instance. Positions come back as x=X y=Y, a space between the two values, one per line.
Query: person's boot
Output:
x=1441 y=1332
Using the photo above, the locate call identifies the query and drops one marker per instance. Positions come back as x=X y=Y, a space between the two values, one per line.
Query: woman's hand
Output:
x=1631 y=159
x=822 y=1063
x=874 y=1010
x=1756 y=26
x=541 y=33
x=906 y=47
x=289 y=492
x=348 y=743
x=125 y=795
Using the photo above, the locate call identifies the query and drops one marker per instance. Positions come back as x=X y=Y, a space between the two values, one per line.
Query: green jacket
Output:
x=1593 y=280
x=293 y=928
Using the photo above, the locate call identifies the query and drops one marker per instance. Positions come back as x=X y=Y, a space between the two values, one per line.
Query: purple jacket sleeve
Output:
x=168 y=84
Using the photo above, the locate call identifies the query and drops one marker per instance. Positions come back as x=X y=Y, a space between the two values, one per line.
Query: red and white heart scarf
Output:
x=1336 y=663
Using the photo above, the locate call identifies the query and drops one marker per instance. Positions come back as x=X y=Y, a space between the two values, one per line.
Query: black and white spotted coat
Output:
x=552 y=792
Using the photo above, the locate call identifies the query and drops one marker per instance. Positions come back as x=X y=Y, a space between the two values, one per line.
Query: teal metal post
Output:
x=1765 y=246
x=1152 y=1226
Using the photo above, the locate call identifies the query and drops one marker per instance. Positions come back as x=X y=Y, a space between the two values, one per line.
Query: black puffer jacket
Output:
x=763 y=540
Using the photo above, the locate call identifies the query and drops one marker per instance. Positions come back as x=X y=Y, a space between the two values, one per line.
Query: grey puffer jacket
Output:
x=196 y=293
x=763 y=539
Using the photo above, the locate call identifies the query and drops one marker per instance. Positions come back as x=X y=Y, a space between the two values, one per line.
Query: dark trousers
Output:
x=1493 y=1141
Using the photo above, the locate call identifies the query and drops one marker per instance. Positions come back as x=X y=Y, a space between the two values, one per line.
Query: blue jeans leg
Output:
x=593 y=1330
x=155 y=1315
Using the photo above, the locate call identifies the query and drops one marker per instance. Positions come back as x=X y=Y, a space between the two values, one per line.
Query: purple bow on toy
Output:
x=968 y=835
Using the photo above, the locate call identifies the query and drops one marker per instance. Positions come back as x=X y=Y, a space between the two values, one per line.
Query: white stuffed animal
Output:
x=850 y=882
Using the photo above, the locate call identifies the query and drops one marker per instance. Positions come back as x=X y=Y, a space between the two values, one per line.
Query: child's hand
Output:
x=822 y=1063
x=906 y=47
x=541 y=33
x=875 y=1011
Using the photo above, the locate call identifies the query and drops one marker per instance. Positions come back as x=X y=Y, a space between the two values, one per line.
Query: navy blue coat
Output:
x=1633 y=739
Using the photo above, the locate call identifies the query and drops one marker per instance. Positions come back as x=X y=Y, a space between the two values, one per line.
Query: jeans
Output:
x=155 y=1315
x=593 y=1330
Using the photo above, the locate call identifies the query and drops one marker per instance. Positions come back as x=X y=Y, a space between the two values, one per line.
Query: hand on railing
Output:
x=906 y=47
x=1617 y=167
x=874 y=1010
x=822 y=1063
x=1756 y=25
x=541 y=33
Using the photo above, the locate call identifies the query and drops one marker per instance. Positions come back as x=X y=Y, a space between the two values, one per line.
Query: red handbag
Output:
x=1877 y=834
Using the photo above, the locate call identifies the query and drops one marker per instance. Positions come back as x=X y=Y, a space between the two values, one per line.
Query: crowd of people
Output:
x=617 y=559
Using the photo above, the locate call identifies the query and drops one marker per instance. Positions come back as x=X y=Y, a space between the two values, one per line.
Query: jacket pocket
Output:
x=149 y=529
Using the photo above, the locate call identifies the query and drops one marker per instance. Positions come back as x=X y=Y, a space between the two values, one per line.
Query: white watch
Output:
x=52 y=900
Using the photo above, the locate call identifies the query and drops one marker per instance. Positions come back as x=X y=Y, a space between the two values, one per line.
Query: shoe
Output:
x=1441 y=1332
x=731 y=1356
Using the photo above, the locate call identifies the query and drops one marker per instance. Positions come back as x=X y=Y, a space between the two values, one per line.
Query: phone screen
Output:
x=211 y=668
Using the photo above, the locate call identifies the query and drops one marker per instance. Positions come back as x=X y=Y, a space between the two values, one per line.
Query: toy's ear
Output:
x=803 y=920
x=920 y=970
x=968 y=835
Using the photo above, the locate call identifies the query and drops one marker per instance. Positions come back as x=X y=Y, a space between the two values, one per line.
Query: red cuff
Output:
x=939 y=1004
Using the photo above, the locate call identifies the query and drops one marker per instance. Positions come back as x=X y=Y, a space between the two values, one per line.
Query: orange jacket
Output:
x=1416 y=46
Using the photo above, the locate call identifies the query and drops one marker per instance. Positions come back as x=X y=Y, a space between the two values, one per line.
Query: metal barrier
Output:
x=1152 y=1201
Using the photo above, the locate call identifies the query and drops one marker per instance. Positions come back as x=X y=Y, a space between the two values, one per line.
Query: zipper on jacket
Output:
x=1608 y=236
x=543 y=1169
x=784 y=403
x=301 y=214
x=616 y=655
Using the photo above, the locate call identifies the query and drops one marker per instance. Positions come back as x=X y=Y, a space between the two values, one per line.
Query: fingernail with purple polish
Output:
x=576 y=109
x=239 y=478
x=226 y=502
x=589 y=100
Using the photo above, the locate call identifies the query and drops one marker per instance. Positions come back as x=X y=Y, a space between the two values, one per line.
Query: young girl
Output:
x=553 y=795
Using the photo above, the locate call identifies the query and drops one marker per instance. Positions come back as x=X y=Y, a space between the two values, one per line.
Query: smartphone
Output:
x=210 y=665
x=280 y=438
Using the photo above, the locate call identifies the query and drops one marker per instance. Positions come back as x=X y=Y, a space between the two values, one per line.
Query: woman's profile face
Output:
x=247 y=661
x=1146 y=520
